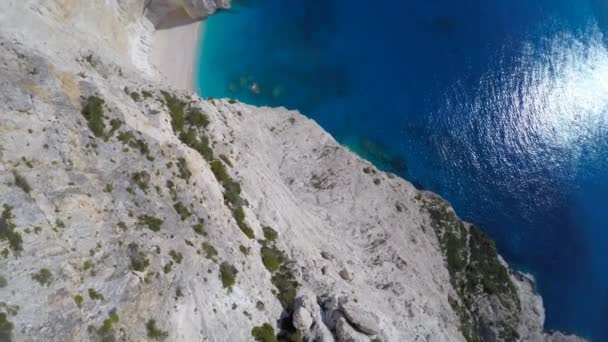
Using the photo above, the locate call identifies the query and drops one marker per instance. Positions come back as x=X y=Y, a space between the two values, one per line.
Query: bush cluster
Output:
x=228 y=275
x=153 y=223
x=43 y=276
x=7 y=230
x=154 y=332
x=264 y=333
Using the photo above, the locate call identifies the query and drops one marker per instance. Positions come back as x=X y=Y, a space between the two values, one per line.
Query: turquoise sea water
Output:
x=499 y=106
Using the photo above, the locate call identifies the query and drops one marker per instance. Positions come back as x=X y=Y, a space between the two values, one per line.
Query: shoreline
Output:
x=175 y=52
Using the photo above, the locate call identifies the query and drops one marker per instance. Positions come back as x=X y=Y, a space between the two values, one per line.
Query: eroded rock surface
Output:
x=132 y=211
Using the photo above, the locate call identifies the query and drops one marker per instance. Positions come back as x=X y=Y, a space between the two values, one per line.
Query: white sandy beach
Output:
x=175 y=53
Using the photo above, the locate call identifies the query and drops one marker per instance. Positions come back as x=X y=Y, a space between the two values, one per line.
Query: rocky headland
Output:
x=132 y=210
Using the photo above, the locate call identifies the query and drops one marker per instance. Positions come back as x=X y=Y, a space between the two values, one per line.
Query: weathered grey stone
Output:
x=345 y=274
x=346 y=333
x=326 y=255
x=360 y=317
x=305 y=305
x=302 y=319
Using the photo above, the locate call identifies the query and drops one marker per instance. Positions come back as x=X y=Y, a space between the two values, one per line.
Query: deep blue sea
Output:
x=500 y=106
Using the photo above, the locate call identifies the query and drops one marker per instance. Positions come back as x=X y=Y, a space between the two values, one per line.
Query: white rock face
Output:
x=122 y=226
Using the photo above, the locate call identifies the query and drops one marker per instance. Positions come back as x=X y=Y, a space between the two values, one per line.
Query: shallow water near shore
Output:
x=499 y=106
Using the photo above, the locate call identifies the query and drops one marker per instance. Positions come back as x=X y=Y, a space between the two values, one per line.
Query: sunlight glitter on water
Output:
x=557 y=102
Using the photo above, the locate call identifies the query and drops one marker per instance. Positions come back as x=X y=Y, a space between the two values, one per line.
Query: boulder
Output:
x=359 y=316
x=346 y=333
x=302 y=319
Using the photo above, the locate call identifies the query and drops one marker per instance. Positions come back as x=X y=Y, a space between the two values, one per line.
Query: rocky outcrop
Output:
x=131 y=211
x=165 y=13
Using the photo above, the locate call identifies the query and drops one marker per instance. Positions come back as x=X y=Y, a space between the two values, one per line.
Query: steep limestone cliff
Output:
x=130 y=211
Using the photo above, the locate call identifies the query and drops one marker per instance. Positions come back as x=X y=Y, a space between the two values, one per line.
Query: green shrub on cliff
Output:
x=135 y=96
x=154 y=332
x=272 y=258
x=141 y=179
x=153 y=223
x=197 y=118
x=232 y=189
x=93 y=113
x=181 y=209
x=129 y=139
x=7 y=230
x=239 y=216
x=139 y=261
x=22 y=183
x=78 y=299
x=210 y=251
x=176 y=110
x=44 y=277
x=263 y=333
x=6 y=328
x=270 y=234
x=93 y=294
x=228 y=275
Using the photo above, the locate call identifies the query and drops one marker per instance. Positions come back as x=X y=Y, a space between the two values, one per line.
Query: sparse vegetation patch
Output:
x=197 y=118
x=6 y=328
x=232 y=189
x=135 y=96
x=22 y=183
x=93 y=113
x=228 y=275
x=272 y=258
x=141 y=179
x=95 y=295
x=154 y=332
x=78 y=299
x=151 y=222
x=181 y=209
x=199 y=229
x=168 y=266
x=7 y=230
x=139 y=261
x=244 y=250
x=44 y=277
x=129 y=139
x=176 y=256
x=225 y=160
x=210 y=251
x=183 y=115
x=106 y=331
x=264 y=333
x=270 y=234
x=239 y=216
x=278 y=264
x=184 y=170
